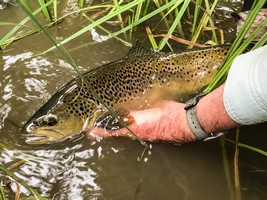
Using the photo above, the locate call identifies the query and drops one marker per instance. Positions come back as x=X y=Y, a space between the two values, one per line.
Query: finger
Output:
x=97 y=133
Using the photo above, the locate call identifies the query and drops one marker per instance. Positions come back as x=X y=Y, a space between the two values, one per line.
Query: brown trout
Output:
x=134 y=82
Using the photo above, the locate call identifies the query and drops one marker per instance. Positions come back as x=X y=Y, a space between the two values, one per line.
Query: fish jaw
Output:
x=34 y=134
x=41 y=135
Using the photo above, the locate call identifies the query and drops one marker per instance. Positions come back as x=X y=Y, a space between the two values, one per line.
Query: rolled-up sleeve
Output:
x=245 y=92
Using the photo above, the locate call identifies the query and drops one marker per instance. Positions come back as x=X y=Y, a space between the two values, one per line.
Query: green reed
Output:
x=252 y=148
x=196 y=15
x=2 y=193
x=226 y=168
x=129 y=13
x=46 y=11
x=239 y=45
x=175 y=23
x=9 y=37
x=36 y=195
x=42 y=4
x=171 y=14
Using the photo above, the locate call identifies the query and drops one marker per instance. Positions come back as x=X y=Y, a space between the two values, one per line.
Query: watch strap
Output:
x=192 y=120
x=194 y=124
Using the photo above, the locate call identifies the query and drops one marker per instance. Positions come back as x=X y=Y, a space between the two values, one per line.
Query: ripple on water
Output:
x=67 y=168
x=10 y=60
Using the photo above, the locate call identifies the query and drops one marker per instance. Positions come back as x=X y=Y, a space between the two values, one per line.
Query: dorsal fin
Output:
x=138 y=50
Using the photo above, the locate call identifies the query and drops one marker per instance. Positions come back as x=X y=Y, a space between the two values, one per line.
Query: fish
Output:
x=134 y=82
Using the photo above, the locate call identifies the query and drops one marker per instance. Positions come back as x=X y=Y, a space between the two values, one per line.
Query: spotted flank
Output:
x=134 y=82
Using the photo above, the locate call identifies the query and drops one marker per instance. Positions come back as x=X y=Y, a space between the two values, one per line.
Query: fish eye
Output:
x=50 y=120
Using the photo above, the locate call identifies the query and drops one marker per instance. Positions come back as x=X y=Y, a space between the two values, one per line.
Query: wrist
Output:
x=188 y=134
x=183 y=132
x=192 y=118
x=212 y=114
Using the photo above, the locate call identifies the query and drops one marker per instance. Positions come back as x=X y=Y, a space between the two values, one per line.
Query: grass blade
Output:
x=239 y=45
x=226 y=168
x=236 y=170
x=174 y=24
x=17 y=179
x=196 y=14
x=98 y=22
x=148 y=16
x=203 y=22
x=221 y=75
x=257 y=150
x=108 y=32
x=2 y=193
x=55 y=10
x=45 y=10
x=151 y=38
x=24 y=21
x=261 y=42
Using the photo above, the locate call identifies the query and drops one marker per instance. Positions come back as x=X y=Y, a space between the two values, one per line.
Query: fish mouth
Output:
x=44 y=136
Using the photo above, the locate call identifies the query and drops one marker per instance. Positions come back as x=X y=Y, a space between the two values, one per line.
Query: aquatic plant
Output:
x=17 y=180
x=128 y=15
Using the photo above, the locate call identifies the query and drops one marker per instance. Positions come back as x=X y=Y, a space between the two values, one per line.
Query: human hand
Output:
x=165 y=121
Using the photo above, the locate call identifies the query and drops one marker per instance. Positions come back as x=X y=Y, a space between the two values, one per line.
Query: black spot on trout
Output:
x=134 y=82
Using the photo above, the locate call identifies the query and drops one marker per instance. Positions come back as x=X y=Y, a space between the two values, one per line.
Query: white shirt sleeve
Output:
x=245 y=92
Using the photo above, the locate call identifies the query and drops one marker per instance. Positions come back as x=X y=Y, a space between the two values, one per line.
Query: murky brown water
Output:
x=112 y=168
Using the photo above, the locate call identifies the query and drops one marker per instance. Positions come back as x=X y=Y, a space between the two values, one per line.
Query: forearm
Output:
x=212 y=114
x=242 y=100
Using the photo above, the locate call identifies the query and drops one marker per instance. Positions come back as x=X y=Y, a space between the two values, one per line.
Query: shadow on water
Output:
x=111 y=168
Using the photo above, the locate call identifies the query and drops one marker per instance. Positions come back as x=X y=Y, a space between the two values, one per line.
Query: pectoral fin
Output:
x=109 y=122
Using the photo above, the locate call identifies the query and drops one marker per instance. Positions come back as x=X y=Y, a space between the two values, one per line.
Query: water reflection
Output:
x=67 y=168
x=114 y=168
x=97 y=37
x=79 y=171
x=4 y=111
x=7 y=92
x=38 y=65
x=10 y=60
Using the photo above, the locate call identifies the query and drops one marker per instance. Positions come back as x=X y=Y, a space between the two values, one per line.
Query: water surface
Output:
x=112 y=168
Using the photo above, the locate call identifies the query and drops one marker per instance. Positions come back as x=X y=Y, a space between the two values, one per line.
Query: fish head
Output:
x=52 y=128
x=62 y=117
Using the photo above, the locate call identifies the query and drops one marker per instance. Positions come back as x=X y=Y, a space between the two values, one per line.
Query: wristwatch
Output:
x=192 y=120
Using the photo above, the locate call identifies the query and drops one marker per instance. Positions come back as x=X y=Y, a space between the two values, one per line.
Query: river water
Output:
x=114 y=168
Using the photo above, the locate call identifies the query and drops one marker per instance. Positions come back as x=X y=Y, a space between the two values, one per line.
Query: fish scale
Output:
x=134 y=82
